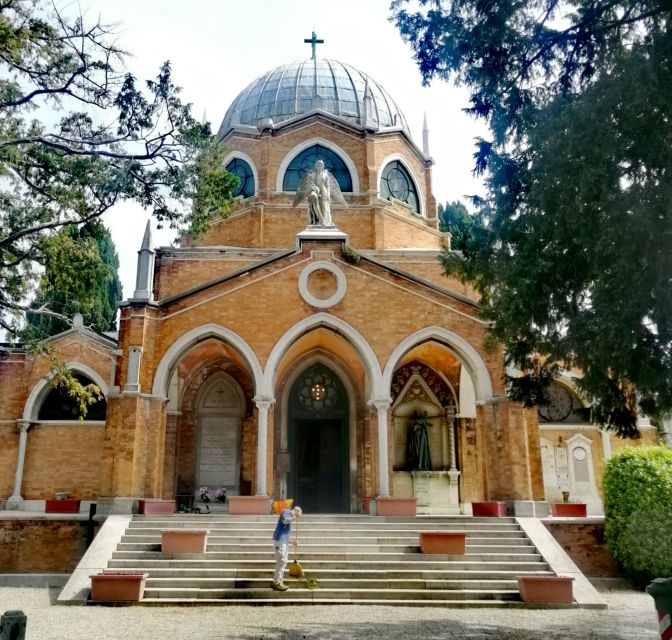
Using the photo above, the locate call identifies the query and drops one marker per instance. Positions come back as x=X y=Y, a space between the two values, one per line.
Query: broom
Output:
x=295 y=570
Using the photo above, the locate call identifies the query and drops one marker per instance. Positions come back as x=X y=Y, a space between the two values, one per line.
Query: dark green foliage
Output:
x=104 y=138
x=349 y=254
x=465 y=228
x=637 y=487
x=81 y=276
x=572 y=262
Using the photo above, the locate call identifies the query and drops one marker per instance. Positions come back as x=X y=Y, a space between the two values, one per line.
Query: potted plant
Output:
x=205 y=496
x=154 y=506
x=567 y=509
x=184 y=540
x=220 y=494
x=118 y=586
x=548 y=589
x=488 y=509
x=61 y=504
x=450 y=542
x=249 y=505
x=389 y=506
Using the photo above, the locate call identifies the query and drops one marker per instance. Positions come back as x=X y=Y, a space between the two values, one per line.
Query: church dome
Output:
x=308 y=86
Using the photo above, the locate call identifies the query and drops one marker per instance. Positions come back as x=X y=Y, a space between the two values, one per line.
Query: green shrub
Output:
x=637 y=488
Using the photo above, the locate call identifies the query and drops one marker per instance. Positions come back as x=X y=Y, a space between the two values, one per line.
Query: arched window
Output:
x=243 y=170
x=306 y=160
x=58 y=405
x=563 y=406
x=397 y=183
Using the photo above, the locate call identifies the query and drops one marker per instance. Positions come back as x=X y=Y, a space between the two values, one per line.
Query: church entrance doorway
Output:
x=318 y=478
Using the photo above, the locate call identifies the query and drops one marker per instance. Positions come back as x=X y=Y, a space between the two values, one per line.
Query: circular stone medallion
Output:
x=322 y=284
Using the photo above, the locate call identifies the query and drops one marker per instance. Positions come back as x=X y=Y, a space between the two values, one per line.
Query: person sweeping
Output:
x=281 y=537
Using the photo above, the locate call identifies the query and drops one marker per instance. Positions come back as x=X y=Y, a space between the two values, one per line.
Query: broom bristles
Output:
x=295 y=570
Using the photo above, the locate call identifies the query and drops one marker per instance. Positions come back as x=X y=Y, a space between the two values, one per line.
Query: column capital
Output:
x=382 y=403
x=263 y=402
x=23 y=425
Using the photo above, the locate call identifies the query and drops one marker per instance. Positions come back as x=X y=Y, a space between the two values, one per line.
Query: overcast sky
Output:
x=217 y=47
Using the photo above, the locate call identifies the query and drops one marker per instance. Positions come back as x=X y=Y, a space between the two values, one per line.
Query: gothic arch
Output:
x=468 y=356
x=340 y=326
x=173 y=354
x=43 y=387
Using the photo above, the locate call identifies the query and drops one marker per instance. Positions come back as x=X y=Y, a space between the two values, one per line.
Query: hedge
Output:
x=637 y=487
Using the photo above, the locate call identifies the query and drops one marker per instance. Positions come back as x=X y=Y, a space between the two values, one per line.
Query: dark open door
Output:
x=318 y=442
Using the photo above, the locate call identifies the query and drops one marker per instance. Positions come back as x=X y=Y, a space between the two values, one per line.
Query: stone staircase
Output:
x=354 y=559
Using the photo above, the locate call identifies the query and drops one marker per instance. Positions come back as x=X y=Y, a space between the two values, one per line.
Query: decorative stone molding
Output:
x=335 y=298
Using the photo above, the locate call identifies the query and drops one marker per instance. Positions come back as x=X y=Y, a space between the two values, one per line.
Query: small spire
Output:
x=425 y=137
x=147 y=239
x=144 y=276
x=205 y=118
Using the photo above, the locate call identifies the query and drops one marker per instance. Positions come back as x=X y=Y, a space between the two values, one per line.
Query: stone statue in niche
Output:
x=320 y=188
x=417 y=457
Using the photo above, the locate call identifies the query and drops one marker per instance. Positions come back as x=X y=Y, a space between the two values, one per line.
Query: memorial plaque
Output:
x=218 y=452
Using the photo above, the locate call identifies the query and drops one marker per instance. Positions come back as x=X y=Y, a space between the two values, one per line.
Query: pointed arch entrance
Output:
x=318 y=441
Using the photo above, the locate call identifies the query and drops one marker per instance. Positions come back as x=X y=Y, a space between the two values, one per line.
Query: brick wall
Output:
x=41 y=546
x=585 y=544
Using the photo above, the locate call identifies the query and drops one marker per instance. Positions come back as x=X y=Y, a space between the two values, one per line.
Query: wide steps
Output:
x=353 y=559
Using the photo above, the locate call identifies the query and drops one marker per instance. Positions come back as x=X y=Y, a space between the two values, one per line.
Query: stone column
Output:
x=263 y=405
x=382 y=405
x=452 y=449
x=15 y=500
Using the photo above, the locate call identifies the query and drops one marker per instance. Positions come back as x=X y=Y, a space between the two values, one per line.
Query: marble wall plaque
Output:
x=218 y=452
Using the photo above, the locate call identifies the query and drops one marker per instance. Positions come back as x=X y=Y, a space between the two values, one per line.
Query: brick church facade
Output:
x=274 y=359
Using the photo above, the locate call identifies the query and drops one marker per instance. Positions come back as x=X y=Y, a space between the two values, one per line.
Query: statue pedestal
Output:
x=319 y=233
x=436 y=492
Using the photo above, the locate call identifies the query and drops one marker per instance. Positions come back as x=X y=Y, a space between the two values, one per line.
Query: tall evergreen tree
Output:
x=575 y=267
x=81 y=276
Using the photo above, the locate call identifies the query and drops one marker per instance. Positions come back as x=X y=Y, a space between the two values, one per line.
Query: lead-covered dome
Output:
x=315 y=84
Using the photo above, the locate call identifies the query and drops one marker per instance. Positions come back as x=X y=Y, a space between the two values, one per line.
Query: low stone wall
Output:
x=41 y=545
x=583 y=540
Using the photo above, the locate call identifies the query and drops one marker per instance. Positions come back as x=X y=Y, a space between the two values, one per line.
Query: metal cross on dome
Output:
x=313 y=41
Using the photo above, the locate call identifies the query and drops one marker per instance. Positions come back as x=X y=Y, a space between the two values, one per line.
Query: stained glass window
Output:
x=306 y=160
x=397 y=183
x=243 y=170
x=318 y=390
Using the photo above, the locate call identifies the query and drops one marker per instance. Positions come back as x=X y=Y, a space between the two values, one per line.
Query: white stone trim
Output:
x=43 y=387
x=192 y=338
x=421 y=194
x=468 y=356
x=341 y=285
x=243 y=156
x=316 y=321
x=295 y=151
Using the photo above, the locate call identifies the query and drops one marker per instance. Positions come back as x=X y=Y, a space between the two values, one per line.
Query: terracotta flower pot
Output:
x=156 y=506
x=62 y=506
x=450 y=542
x=569 y=510
x=489 y=509
x=249 y=505
x=118 y=586
x=387 y=506
x=546 y=589
x=184 y=540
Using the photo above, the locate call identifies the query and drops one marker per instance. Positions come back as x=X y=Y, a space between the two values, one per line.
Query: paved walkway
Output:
x=630 y=616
